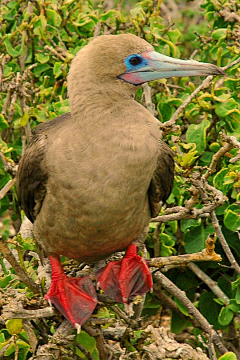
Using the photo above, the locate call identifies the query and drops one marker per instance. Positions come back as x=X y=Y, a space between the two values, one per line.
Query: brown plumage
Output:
x=91 y=180
x=86 y=175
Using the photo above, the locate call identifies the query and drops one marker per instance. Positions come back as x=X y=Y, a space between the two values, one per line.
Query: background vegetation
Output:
x=38 y=40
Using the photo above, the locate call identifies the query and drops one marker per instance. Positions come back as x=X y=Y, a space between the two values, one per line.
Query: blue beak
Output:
x=156 y=66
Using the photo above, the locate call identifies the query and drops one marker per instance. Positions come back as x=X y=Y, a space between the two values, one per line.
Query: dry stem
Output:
x=17 y=268
x=181 y=296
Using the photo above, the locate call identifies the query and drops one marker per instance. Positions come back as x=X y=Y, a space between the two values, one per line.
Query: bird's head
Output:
x=127 y=59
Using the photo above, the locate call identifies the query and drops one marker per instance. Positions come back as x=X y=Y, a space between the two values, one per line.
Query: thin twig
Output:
x=183 y=260
x=148 y=98
x=215 y=159
x=17 y=268
x=181 y=296
x=209 y=282
x=224 y=243
x=6 y=188
x=205 y=84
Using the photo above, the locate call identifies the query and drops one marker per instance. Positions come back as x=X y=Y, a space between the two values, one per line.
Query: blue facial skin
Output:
x=138 y=62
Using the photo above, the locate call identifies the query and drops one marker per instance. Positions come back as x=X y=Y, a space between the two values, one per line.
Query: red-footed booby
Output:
x=90 y=180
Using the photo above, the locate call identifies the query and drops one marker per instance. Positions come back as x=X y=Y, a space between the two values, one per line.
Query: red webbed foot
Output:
x=75 y=298
x=125 y=279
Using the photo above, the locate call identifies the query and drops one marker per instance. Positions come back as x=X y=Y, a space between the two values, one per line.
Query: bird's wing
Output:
x=162 y=181
x=32 y=176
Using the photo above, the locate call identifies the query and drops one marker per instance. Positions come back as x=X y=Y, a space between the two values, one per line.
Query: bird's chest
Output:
x=107 y=170
x=97 y=191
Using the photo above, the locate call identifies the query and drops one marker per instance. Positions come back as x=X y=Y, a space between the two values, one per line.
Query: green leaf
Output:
x=225 y=108
x=195 y=238
x=174 y=35
x=87 y=25
x=39 y=25
x=40 y=68
x=10 y=350
x=24 y=119
x=219 y=34
x=234 y=306
x=225 y=316
x=228 y=356
x=42 y=58
x=181 y=307
x=87 y=341
x=237 y=297
x=3 y=123
x=218 y=181
x=178 y=323
x=190 y=223
x=57 y=69
x=14 y=326
x=210 y=309
x=10 y=50
x=4 y=281
x=214 y=147
x=54 y=17
x=197 y=134
x=166 y=245
x=231 y=220
x=109 y=15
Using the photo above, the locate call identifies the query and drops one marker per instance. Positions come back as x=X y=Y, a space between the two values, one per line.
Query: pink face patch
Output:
x=132 y=78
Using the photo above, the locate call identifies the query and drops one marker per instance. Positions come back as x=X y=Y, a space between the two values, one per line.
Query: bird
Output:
x=91 y=179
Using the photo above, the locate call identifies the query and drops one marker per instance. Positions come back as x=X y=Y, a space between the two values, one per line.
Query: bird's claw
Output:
x=78 y=327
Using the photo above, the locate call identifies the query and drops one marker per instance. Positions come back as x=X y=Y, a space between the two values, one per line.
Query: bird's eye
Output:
x=135 y=60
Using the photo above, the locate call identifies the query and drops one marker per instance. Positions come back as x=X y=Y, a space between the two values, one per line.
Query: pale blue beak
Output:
x=156 y=66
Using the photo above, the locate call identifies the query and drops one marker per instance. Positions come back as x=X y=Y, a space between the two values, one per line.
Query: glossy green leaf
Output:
x=54 y=17
x=14 y=326
x=40 y=68
x=87 y=341
x=234 y=306
x=219 y=34
x=237 y=297
x=174 y=35
x=109 y=15
x=209 y=308
x=197 y=134
x=42 y=58
x=225 y=108
x=10 y=49
x=3 y=123
x=232 y=220
x=57 y=69
x=24 y=119
x=10 y=350
x=195 y=238
x=225 y=316
x=228 y=356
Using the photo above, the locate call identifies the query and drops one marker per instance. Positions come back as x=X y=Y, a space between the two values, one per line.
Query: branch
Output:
x=183 y=260
x=215 y=158
x=23 y=277
x=205 y=84
x=224 y=243
x=209 y=282
x=20 y=313
x=181 y=296
x=233 y=142
x=148 y=98
x=7 y=187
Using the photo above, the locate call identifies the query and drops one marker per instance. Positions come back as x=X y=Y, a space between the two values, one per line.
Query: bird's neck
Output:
x=89 y=101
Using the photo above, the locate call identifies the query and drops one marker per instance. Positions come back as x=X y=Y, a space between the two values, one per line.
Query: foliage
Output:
x=38 y=40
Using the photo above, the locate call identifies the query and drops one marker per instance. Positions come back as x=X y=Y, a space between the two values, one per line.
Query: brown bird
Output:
x=90 y=180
